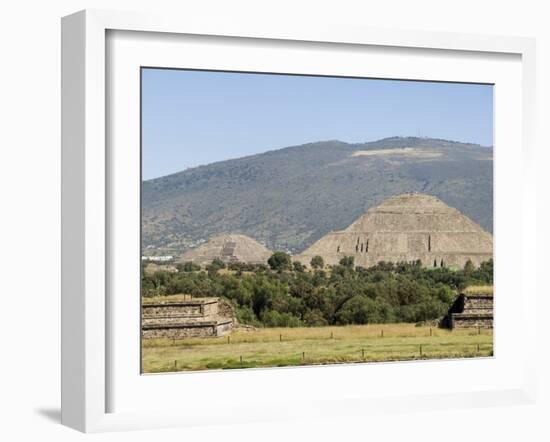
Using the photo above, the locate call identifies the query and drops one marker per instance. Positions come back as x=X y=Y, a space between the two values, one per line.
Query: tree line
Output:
x=287 y=294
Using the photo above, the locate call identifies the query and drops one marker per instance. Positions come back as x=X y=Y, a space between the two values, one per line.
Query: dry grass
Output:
x=152 y=267
x=481 y=289
x=276 y=347
x=165 y=299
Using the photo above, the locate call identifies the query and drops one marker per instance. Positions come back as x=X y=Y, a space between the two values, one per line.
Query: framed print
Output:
x=321 y=253
x=255 y=213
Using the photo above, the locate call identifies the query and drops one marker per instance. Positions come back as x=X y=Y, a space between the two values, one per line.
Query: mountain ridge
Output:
x=288 y=198
x=371 y=144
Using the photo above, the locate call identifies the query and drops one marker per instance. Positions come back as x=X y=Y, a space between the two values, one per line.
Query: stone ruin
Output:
x=407 y=228
x=229 y=248
x=470 y=310
x=196 y=317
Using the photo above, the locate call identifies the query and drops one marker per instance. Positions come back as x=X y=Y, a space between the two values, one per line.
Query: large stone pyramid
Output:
x=228 y=248
x=407 y=227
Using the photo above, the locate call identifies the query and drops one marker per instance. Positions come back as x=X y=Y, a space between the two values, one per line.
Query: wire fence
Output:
x=360 y=354
x=331 y=346
x=281 y=337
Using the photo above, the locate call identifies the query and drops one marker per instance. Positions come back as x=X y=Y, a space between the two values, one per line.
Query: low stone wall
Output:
x=180 y=331
x=470 y=311
x=465 y=320
x=225 y=310
x=478 y=303
x=193 y=308
x=198 y=317
x=224 y=329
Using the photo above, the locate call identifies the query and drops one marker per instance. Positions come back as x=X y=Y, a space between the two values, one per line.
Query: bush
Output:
x=347 y=261
x=188 y=267
x=212 y=270
x=259 y=268
x=469 y=267
x=217 y=262
x=314 y=318
x=317 y=262
x=387 y=292
x=279 y=261
x=360 y=310
x=245 y=315
x=272 y=318
x=298 y=267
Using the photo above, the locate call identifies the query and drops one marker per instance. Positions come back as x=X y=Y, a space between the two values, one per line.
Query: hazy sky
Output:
x=192 y=118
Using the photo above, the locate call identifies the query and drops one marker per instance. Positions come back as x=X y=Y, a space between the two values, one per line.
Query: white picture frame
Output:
x=87 y=211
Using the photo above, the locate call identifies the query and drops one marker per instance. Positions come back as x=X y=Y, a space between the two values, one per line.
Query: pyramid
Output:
x=229 y=248
x=407 y=227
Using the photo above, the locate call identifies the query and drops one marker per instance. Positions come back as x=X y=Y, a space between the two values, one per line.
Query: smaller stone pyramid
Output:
x=229 y=248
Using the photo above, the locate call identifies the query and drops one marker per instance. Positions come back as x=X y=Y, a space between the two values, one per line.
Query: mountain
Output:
x=287 y=199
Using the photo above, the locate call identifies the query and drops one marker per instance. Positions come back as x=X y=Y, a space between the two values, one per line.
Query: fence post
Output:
x=175 y=364
x=381 y=333
x=241 y=360
x=430 y=331
x=331 y=335
x=421 y=351
x=363 y=352
x=303 y=355
x=280 y=338
x=229 y=339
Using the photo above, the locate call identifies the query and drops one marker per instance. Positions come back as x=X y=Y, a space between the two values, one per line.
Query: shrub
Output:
x=347 y=261
x=272 y=318
x=217 y=262
x=387 y=292
x=469 y=267
x=314 y=318
x=245 y=315
x=188 y=267
x=279 y=261
x=317 y=262
x=360 y=310
x=298 y=267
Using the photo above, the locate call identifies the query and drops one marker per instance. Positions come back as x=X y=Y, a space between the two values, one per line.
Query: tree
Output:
x=469 y=267
x=217 y=262
x=212 y=269
x=314 y=318
x=280 y=261
x=347 y=261
x=272 y=318
x=188 y=266
x=384 y=266
x=387 y=292
x=298 y=267
x=317 y=262
x=361 y=310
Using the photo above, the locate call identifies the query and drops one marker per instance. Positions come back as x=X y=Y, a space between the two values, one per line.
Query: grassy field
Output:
x=479 y=289
x=279 y=347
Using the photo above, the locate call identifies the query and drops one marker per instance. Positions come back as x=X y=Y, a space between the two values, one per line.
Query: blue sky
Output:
x=190 y=118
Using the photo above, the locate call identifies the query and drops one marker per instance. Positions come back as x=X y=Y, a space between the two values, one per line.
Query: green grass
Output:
x=280 y=347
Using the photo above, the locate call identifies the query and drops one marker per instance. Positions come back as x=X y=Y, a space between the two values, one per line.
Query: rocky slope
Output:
x=287 y=199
